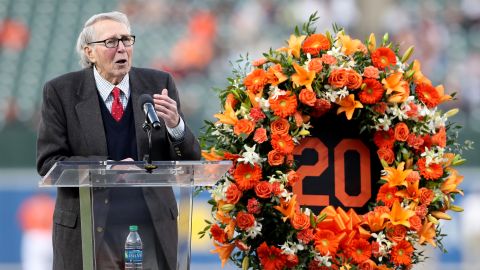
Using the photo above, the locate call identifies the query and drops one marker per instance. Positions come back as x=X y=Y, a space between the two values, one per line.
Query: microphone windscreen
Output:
x=145 y=98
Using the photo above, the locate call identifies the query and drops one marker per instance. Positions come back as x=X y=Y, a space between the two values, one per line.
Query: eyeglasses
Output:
x=113 y=42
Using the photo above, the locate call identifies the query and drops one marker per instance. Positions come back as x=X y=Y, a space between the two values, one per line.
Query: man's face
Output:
x=112 y=63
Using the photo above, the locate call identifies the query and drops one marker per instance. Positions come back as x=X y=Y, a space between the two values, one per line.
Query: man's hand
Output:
x=166 y=109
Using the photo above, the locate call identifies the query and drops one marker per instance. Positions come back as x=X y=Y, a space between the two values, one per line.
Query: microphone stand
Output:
x=149 y=167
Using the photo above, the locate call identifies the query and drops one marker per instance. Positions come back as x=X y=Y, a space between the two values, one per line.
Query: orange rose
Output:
x=260 y=135
x=396 y=232
x=233 y=194
x=354 y=80
x=386 y=154
x=426 y=196
x=328 y=59
x=401 y=132
x=291 y=260
x=316 y=65
x=280 y=126
x=263 y=190
x=292 y=177
x=371 y=72
x=275 y=158
x=307 y=97
x=321 y=107
x=415 y=223
x=244 y=126
x=245 y=220
x=300 y=221
x=338 y=78
x=440 y=138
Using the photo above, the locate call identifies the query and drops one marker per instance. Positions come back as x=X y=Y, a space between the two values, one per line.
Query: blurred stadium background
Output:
x=195 y=40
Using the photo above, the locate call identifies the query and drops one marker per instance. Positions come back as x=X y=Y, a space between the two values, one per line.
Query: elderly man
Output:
x=93 y=115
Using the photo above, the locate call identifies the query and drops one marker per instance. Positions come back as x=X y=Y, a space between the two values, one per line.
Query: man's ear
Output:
x=89 y=53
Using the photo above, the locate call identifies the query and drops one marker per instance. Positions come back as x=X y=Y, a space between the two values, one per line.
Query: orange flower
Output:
x=372 y=92
x=396 y=233
x=257 y=114
x=418 y=76
x=307 y=97
x=348 y=105
x=440 y=138
x=411 y=192
x=375 y=220
x=349 y=45
x=259 y=62
x=245 y=221
x=260 y=135
x=287 y=208
x=228 y=116
x=284 y=105
x=338 y=78
x=427 y=234
x=231 y=100
x=271 y=258
x=441 y=93
x=300 y=221
x=247 y=176
x=360 y=250
x=415 y=223
x=263 y=190
x=243 y=127
x=396 y=85
x=371 y=72
x=223 y=251
x=401 y=132
x=398 y=215
x=383 y=138
x=233 y=194
x=386 y=194
x=402 y=253
x=282 y=143
x=396 y=176
x=294 y=45
x=354 y=80
x=386 y=153
x=328 y=59
x=431 y=172
x=316 y=65
x=383 y=57
x=255 y=81
x=326 y=242
x=453 y=180
x=302 y=77
x=321 y=107
x=212 y=155
x=275 y=75
x=428 y=95
x=315 y=43
x=280 y=126
x=218 y=233
x=292 y=177
x=275 y=158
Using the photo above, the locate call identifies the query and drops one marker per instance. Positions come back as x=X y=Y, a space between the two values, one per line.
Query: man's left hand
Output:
x=166 y=108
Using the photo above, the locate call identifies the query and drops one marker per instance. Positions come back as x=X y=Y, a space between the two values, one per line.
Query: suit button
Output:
x=106 y=201
x=99 y=229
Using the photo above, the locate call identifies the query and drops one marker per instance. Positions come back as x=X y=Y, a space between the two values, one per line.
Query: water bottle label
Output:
x=133 y=255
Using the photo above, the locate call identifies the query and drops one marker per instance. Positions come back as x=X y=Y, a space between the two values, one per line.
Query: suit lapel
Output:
x=89 y=115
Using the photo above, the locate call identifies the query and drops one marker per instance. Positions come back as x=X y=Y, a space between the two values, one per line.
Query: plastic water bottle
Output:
x=133 y=250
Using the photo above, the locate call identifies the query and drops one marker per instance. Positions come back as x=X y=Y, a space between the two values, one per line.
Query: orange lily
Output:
x=295 y=44
x=396 y=176
x=278 y=76
x=230 y=229
x=441 y=92
x=253 y=97
x=398 y=215
x=375 y=220
x=287 y=208
x=411 y=192
x=302 y=77
x=427 y=234
x=349 y=45
x=348 y=105
x=372 y=43
x=223 y=251
x=394 y=83
x=212 y=155
x=453 y=180
x=418 y=76
x=228 y=116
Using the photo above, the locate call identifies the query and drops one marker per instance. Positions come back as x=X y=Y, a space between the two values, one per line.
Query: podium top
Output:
x=134 y=173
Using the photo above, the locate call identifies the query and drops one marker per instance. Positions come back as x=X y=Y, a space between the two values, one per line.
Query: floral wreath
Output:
x=257 y=222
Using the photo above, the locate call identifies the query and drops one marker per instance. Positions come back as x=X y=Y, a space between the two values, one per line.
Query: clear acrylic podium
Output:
x=180 y=176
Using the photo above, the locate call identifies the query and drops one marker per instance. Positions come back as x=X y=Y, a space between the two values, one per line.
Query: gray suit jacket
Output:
x=71 y=128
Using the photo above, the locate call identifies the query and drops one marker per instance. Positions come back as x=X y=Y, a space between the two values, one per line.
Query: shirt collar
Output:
x=105 y=87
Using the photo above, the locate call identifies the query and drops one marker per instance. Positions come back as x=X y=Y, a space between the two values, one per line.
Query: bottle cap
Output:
x=133 y=228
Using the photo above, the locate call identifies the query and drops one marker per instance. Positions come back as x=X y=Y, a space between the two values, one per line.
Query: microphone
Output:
x=146 y=103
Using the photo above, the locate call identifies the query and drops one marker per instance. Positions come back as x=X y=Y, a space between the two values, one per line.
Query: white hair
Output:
x=88 y=32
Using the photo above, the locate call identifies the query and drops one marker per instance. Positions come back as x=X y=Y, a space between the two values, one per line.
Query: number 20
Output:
x=322 y=164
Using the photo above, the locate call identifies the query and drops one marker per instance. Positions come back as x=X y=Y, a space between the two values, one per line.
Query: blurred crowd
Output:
x=197 y=41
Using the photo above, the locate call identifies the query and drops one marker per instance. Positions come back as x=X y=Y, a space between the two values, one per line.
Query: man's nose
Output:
x=121 y=47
